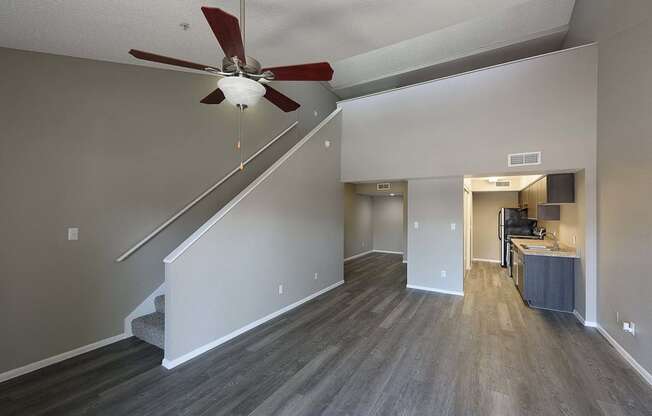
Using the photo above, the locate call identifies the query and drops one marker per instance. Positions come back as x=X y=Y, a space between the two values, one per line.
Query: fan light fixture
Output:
x=241 y=91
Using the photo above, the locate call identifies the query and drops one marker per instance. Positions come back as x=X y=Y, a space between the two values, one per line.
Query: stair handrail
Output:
x=194 y=202
x=204 y=228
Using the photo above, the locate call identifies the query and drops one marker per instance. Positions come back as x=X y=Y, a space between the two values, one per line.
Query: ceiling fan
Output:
x=242 y=78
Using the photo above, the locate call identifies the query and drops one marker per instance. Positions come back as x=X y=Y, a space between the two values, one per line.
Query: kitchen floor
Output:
x=369 y=347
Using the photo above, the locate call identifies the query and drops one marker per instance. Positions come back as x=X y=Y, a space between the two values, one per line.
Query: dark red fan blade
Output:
x=166 y=60
x=280 y=100
x=215 y=97
x=227 y=31
x=320 y=71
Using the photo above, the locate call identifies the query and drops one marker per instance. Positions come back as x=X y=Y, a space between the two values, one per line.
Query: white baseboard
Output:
x=432 y=289
x=145 y=308
x=60 y=357
x=387 y=252
x=487 y=260
x=374 y=251
x=169 y=364
x=358 y=255
x=583 y=321
x=639 y=368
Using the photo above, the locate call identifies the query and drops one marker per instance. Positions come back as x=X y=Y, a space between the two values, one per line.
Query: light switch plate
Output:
x=416 y=225
x=453 y=226
x=73 y=234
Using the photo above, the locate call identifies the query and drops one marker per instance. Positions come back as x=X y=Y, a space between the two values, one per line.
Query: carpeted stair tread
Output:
x=150 y=328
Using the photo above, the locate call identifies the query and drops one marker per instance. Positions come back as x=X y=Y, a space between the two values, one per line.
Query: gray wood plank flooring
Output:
x=369 y=347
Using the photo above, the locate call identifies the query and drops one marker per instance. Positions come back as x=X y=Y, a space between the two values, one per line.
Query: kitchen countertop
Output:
x=564 y=250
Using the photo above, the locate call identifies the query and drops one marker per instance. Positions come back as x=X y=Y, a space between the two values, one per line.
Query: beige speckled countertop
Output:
x=564 y=250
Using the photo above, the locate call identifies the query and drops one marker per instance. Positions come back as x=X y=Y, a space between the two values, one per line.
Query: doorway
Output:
x=375 y=219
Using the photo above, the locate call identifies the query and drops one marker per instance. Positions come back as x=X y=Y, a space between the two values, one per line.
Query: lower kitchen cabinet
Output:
x=547 y=282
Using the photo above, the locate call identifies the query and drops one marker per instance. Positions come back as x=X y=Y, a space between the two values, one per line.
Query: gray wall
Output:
x=486 y=205
x=467 y=124
x=433 y=247
x=358 y=222
x=388 y=223
x=624 y=30
x=286 y=230
x=115 y=150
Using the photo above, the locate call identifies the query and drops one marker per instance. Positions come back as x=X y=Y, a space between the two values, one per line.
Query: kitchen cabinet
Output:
x=549 y=190
x=546 y=282
x=560 y=188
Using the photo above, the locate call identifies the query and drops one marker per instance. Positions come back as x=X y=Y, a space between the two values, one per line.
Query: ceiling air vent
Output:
x=383 y=186
x=504 y=184
x=524 y=159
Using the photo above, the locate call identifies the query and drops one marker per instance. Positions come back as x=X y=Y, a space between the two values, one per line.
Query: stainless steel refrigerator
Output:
x=513 y=222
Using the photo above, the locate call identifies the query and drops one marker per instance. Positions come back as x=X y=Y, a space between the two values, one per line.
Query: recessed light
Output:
x=392 y=194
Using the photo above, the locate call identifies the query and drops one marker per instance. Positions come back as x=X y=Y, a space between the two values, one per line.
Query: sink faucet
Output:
x=555 y=239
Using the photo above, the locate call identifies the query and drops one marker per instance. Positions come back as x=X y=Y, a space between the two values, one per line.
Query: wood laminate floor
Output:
x=369 y=347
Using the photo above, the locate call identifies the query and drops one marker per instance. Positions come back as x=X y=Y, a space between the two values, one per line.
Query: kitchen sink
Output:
x=536 y=247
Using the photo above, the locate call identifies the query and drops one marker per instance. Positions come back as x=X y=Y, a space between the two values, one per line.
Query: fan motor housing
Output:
x=252 y=66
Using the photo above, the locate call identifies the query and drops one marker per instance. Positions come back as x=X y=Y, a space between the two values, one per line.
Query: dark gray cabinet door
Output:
x=560 y=188
x=549 y=282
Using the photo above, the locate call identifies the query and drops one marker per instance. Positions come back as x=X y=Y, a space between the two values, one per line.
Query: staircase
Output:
x=151 y=327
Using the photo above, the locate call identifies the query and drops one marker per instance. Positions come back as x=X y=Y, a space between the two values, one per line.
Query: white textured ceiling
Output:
x=278 y=32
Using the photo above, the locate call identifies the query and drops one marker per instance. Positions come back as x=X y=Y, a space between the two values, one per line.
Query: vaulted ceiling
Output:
x=372 y=44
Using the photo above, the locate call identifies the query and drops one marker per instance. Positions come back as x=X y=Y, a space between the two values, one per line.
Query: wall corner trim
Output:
x=637 y=367
x=584 y=322
x=435 y=290
x=8 y=375
x=170 y=364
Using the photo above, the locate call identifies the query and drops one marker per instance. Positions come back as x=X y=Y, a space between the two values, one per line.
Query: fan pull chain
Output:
x=240 y=146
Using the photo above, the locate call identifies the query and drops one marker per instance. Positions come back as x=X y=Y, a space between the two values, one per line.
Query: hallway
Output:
x=367 y=347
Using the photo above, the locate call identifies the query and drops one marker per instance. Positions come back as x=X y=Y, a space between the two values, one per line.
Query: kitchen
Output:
x=533 y=228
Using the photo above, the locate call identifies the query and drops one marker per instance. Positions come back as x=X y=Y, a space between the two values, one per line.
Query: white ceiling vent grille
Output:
x=524 y=159
x=504 y=183
x=383 y=186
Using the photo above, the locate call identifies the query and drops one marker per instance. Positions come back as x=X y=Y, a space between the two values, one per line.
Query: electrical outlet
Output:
x=617 y=317
x=280 y=289
x=443 y=273
x=416 y=225
x=364 y=244
x=73 y=234
x=629 y=327
x=453 y=226
x=316 y=276
x=316 y=113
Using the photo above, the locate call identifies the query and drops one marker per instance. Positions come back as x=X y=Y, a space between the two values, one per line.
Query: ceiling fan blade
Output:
x=281 y=101
x=319 y=71
x=146 y=56
x=227 y=31
x=215 y=97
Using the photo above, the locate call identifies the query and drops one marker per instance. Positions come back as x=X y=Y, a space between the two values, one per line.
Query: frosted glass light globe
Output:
x=241 y=91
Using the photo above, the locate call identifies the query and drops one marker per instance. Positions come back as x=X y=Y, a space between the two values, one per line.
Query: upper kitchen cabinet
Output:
x=549 y=190
x=561 y=188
